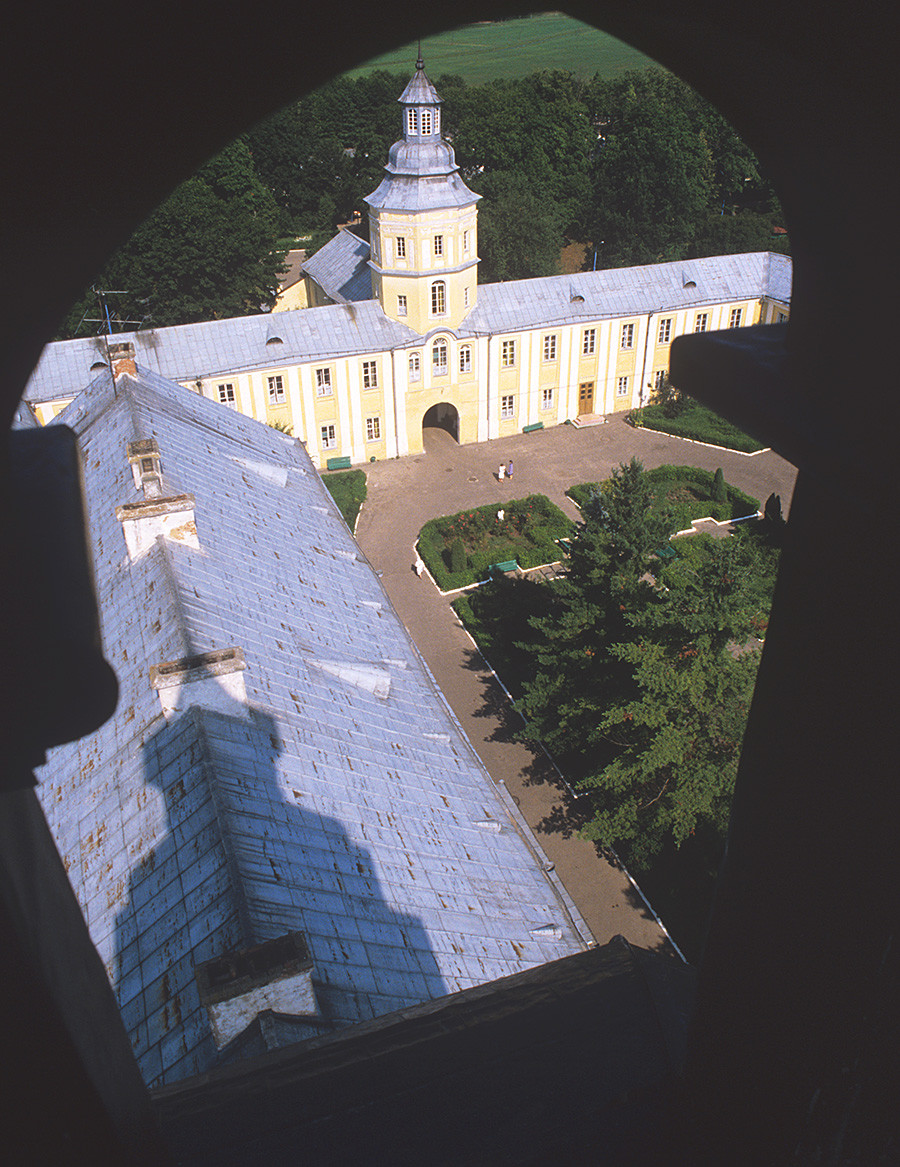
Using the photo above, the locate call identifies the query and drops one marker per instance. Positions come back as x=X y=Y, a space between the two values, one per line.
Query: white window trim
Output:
x=507 y=406
x=324 y=386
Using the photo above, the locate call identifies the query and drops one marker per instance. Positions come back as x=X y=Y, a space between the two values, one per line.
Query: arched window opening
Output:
x=439 y=358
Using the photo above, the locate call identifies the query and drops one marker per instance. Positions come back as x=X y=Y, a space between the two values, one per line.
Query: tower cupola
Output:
x=423 y=221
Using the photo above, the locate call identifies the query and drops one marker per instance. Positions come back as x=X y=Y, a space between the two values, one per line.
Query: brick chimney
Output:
x=122 y=358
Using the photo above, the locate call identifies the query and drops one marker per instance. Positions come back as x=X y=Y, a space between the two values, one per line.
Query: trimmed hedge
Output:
x=348 y=489
x=527 y=534
x=683 y=479
x=700 y=424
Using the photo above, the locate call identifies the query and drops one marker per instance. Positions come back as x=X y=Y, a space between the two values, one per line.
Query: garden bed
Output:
x=458 y=549
x=697 y=423
x=687 y=491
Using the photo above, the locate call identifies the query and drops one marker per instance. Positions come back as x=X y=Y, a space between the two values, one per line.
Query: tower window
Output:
x=415 y=367
x=425 y=117
x=438 y=298
x=401 y=247
x=439 y=245
x=439 y=358
x=466 y=242
x=465 y=359
x=410 y=121
x=401 y=305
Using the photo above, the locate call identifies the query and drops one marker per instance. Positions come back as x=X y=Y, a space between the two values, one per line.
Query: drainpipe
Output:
x=650 y=316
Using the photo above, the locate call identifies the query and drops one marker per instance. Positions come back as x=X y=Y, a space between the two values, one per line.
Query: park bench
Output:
x=504 y=565
x=530 y=429
x=343 y=463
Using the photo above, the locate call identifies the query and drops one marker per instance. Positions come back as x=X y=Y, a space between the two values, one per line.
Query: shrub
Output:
x=700 y=424
x=458 y=561
x=718 y=487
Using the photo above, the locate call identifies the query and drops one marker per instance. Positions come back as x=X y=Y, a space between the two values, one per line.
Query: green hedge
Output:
x=700 y=424
x=528 y=534
x=348 y=489
x=691 y=480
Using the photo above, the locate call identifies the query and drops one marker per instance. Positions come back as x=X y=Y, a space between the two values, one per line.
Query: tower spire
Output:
x=420 y=64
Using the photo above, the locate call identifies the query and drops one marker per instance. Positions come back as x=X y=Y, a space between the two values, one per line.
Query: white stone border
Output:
x=708 y=445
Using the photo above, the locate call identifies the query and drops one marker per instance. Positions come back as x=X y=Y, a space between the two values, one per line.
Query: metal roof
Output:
x=341 y=799
x=627 y=291
x=187 y=352
x=340 y=268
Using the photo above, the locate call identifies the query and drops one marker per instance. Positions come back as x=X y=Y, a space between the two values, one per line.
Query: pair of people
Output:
x=505 y=471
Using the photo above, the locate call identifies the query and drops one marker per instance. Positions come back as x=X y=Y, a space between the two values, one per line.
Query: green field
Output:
x=515 y=48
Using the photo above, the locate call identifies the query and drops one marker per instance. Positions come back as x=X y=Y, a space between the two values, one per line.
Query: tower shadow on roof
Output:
x=238 y=861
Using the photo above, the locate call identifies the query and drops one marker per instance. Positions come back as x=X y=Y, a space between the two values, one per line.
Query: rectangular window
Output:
x=415 y=367
x=588 y=342
x=547 y=397
x=665 y=331
x=226 y=394
x=439 y=358
x=373 y=429
x=465 y=359
x=701 y=322
x=465 y=297
x=439 y=245
x=782 y=316
x=410 y=121
x=276 y=390
x=627 y=336
x=401 y=305
x=438 y=301
x=508 y=353
x=550 y=347
x=369 y=375
x=465 y=242
x=329 y=437
x=426 y=121
x=507 y=406
x=736 y=315
x=622 y=387
x=323 y=382
x=401 y=247
x=659 y=378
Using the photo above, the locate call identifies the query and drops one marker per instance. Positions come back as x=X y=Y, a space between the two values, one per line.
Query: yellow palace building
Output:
x=399 y=335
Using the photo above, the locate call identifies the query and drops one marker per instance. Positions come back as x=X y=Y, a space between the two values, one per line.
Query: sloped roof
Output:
x=341 y=799
x=340 y=268
x=628 y=291
x=186 y=352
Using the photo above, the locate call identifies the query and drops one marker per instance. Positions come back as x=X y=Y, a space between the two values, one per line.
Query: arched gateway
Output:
x=442 y=416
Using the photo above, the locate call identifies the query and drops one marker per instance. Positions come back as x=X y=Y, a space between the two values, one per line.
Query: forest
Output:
x=637 y=169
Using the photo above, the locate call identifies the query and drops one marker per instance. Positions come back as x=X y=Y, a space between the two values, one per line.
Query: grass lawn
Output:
x=527 y=533
x=687 y=491
x=348 y=489
x=515 y=48
x=699 y=423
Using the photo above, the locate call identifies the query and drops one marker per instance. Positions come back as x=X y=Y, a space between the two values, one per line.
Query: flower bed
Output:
x=687 y=491
x=527 y=533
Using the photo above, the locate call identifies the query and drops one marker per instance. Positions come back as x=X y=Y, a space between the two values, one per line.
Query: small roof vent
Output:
x=687 y=281
x=273 y=336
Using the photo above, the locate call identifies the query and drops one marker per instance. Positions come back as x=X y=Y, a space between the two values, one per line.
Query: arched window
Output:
x=465 y=359
x=439 y=357
x=415 y=367
x=410 y=121
x=438 y=298
x=426 y=121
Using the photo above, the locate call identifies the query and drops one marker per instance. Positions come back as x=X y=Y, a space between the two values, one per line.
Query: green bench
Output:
x=505 y=565
x=666 y=553
x=535 y=425
x=343 y=463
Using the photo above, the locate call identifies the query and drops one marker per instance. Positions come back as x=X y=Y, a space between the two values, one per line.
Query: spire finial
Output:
x=420 y=64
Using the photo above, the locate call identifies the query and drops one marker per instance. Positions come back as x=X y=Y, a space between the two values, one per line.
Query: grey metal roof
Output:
x=340 y=268
x=431 y=187
x=189 y=351
x=342 y=800
x=627 y=291
x=419 y=91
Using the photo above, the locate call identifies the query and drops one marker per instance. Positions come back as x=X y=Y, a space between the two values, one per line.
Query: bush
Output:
x=458 y=560
x=348 y=489
x=718 y=487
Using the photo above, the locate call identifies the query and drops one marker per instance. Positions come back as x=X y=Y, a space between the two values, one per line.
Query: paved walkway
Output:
x=405 y=492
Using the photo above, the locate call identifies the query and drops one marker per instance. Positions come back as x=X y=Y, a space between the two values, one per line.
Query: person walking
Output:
x=509 y=470
x=501 y=472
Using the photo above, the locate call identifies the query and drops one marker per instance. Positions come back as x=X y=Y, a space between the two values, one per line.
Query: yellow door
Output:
x=586 y=397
